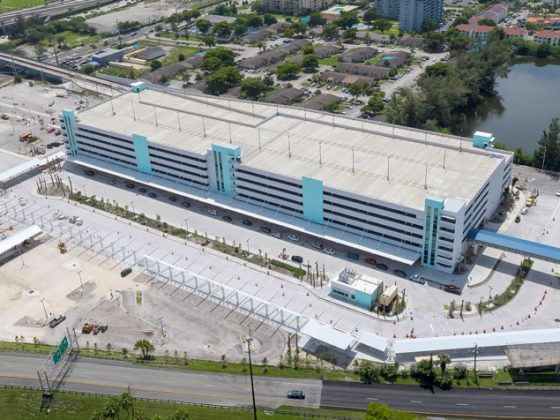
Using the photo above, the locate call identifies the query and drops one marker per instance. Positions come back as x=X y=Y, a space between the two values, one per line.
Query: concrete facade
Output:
x=429 y=192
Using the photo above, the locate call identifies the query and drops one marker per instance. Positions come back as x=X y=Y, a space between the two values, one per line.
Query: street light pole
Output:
x=249 y=339
x=79 y=273
x=248 y=251
x=475 y=355
x=45 y=309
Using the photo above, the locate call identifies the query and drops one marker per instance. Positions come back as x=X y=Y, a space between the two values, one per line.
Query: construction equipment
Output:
x=62 y=247
x=25 y=136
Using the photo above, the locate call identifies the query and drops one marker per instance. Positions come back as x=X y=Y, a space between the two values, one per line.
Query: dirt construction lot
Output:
x=135 y=307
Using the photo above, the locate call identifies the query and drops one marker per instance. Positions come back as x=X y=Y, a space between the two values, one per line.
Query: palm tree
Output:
x=444 y=360
x=127 y=402
x=145 y=347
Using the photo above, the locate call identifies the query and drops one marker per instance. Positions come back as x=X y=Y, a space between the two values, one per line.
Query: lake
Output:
x=527 y=101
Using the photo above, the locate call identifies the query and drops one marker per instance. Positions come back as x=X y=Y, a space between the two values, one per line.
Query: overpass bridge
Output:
x=57 y=74
x=520 y=246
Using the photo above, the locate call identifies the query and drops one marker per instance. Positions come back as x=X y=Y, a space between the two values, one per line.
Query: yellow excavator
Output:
x=62 y=247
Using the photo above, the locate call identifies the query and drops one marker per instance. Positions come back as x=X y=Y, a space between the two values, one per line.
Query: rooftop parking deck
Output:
x=381 y=161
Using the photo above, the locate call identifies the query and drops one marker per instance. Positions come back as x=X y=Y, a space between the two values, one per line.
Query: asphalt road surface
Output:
x=114 y=377
x=466 y=403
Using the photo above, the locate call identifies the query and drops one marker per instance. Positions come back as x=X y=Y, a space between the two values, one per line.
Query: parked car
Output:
x=57 y=320
x=293 y=237
x=152 y=195
x=227 y=218
x=129 y=185
x=451 y=288
x=142 y=190
x=89 y=173
x=172 y=198
x=329 y=251
x=185 y=204
x=524 y=210
x=296 y=395
x=382 y=266
x=213 y=212
x=417 y=278
x=266 y=229
x=297 y=258
x=247 y=222
x=277 y=235
x=370 y=260
x=317 y=245
x=126 y=272
x=400 y=273
x=353 y=256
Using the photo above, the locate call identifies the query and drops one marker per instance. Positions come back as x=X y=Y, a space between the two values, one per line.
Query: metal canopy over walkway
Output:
x=519 y=246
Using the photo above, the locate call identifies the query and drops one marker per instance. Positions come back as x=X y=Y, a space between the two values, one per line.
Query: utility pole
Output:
x=249 y=339
x=475 y=355
x=45 y=309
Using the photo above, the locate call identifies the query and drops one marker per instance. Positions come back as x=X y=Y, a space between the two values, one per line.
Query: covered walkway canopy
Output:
x=512 y=244
x=425 y=346
x=29 y=165
x=17 y=238
x=327 y=335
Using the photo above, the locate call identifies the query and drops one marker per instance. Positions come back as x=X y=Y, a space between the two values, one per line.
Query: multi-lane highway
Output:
x=467 y=403
x=114 y=377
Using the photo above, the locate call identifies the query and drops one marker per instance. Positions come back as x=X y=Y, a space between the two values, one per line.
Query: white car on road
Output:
x=329 y=251
x=293 y=237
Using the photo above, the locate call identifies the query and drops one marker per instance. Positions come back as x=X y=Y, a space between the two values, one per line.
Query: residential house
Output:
x=327 y=50
x=263 y=59
x=295 y=7
x=345 y=79
x=358 y=55
x=547 y=37
x=256 y=37
x=496 y=12
x=320 y=102
x=375 y=72
x=478 y=32
x=516 y=33
x=394 y=59
x=163 y=74
x=286 y=96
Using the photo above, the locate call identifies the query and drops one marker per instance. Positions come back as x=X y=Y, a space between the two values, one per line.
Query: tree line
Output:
x=447 y=92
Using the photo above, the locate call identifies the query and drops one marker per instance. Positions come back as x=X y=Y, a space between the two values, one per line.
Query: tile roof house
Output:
x=547 y=37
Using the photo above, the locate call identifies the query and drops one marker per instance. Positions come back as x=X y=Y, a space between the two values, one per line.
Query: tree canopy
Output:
x=217 y=58
x=222 y=80
x=547 y=153
x=288 y=70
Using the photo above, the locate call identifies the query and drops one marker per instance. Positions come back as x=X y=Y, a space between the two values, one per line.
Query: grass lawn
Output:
x=20 y=404
x=173 y=55
x=13 y=5
x=329 y=61
x=72 y=39
x=375 y=59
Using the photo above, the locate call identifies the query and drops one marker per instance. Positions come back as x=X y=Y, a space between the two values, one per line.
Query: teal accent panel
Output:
x=137 y=87
x=142 y=153
x=70 y=123
x=482 y=140
x=312 y=190
x=364 y=299
x=225 y=157
x=430 y=241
